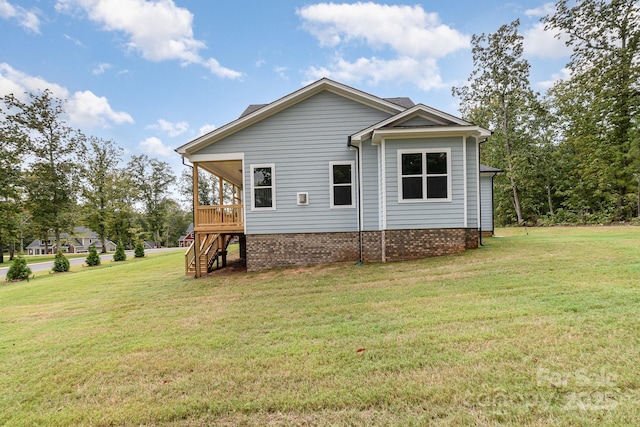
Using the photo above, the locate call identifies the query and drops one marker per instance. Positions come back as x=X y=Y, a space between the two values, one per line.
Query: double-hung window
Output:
x=425 y=175
x=342 y=184
x=263 y=185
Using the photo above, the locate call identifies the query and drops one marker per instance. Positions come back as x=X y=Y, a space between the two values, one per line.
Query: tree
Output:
x=54 y=148
x=100 y=185
x=60 y=263
x=19 y=270
x=153 y=179
x=499 y=97
x=139 y=250
x=120 y=255
x=11 y=184
x=93 y=258
x=600 y=101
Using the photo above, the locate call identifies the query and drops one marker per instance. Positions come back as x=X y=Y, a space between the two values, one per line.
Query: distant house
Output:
x=78 y=241
x=330 y=173
x=186 y=240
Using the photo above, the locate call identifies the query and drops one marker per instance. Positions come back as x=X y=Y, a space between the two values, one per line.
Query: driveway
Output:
x=48 y=265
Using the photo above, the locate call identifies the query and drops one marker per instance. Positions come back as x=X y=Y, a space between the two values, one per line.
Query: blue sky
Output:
x=152 y=75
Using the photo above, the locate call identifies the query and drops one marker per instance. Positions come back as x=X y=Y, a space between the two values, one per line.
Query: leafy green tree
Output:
x=100 y=185
x=11 y=184
x=54 y=149
x=93 y=258
x=19 y=270
x=600 y=103
x=60 y=263
x=153 y=178
x=139 y=250
x=499 y=97
x=120 y=255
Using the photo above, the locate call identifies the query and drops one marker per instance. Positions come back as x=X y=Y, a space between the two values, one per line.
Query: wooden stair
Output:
x=210 y=252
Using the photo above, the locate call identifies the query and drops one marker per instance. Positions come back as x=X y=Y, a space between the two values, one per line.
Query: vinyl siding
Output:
x=301 y=141
x=486 y=199
x=418 y=121
x=427 y=214
x=370 y=187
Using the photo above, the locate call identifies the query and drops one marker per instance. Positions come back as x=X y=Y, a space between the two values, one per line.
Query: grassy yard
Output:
x=539 y=327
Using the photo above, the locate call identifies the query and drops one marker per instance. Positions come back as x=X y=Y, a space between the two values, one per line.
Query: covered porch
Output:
x=218 y=214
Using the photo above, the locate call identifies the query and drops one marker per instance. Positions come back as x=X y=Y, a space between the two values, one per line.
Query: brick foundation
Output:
x=265 y=251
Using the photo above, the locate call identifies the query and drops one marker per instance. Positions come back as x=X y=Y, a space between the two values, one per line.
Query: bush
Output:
x=93 y=258
x=61 y=263
x=19 y=270
x=119 y=255
x=139 y=250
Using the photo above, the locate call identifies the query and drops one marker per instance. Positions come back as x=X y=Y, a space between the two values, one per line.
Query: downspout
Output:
x=358 y=190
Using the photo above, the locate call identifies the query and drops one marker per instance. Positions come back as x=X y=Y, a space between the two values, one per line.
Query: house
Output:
x=186 y=240
x=78 y=241
x=331 y=173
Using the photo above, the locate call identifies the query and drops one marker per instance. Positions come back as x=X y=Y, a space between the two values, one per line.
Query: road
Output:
x=48 y=265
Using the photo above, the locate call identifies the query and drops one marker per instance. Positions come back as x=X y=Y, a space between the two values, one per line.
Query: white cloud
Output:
x=545 y=9
x=541 y=43
x=83 y=108
x=158 y=30
x=281 y=72
x=204 y=129
x=564 y=74
x=154 y=146
x=27 y=19
x=407 y=40
x=424 y=73
x=172 y=129
x=101 y=68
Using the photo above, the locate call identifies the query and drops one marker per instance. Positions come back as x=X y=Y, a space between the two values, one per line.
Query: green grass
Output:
x=539 y=327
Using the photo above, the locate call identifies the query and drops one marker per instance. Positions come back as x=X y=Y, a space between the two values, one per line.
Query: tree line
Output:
x=572 y=154
x=53 y=177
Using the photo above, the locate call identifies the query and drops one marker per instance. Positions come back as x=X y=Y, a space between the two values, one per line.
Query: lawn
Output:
x=539 y=327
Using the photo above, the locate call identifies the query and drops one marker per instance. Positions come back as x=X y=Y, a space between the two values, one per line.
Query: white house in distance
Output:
x=330 y=173
x=78 y=241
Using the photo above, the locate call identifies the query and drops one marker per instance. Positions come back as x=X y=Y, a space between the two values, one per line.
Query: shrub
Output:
x=19 y=270
x=93 y=258
x=61 y=263
x=139 y=250
x=119 y=255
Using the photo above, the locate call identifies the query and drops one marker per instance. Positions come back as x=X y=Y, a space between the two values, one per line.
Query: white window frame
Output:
x=273 y=187
x=352 y=184
x=424 y=175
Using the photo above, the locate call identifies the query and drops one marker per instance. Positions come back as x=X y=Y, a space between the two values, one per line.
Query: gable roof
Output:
x=258 y=112
x=444 y=124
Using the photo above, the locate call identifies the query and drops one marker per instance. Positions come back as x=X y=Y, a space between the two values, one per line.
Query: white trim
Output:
x=331 y=184
x=243 y=196
x=360 y=188
x=383 y=177
x=465 y=184
x=273 y=187
x=426 y=132
x=199 y=158
x=302 y=198
x=424 y=175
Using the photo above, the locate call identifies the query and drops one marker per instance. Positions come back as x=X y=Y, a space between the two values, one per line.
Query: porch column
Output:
x=196 y=235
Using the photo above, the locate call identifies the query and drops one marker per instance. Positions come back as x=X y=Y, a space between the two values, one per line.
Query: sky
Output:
x=151 y=75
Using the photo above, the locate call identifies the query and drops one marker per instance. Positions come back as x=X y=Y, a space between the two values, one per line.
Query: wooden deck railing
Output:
x=225 y=215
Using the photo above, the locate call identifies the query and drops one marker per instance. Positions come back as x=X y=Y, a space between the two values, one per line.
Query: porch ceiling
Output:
x=229 y=170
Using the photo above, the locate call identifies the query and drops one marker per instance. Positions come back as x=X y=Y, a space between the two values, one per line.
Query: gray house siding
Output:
x=418 y=121
x=370 y=187
x=486 y=201
x=301 y=145
x=472 y=181
x=427 y=214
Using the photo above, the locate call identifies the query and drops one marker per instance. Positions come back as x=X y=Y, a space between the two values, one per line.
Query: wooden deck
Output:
x=219 y=219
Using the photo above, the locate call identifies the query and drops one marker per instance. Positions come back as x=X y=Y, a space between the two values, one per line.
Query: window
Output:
x=424 y=175
x=342 y=189
x=263 y=184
